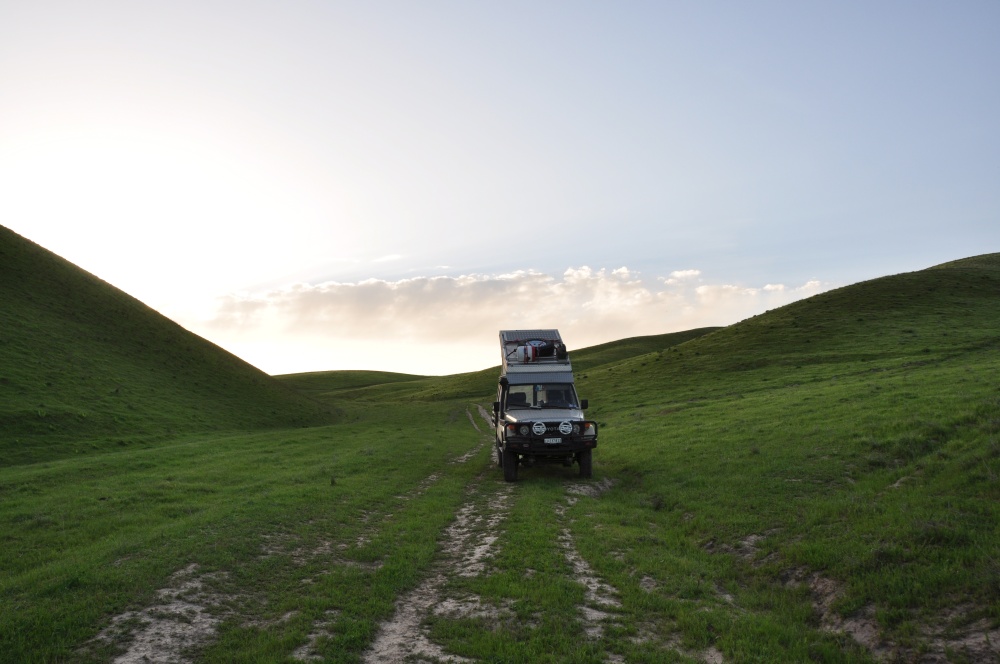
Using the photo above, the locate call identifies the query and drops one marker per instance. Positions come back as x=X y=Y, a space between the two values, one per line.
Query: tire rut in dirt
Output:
x=467 y=547
x=601 y=598
x=182 y=619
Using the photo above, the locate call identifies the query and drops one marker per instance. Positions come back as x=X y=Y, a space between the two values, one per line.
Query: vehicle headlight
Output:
x=589 y=429
x=524 y=430
x=576 y=429
x=566 y=428
x=538 y=428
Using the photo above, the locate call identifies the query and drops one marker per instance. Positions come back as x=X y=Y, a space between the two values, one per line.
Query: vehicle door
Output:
x=498 y=416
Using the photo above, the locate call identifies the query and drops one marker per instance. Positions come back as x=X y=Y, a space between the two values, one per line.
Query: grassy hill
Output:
x=623 y=349
x=377 y=386
x=84 y=366
x=817 y=483
x=844 y=447
x=844 y=450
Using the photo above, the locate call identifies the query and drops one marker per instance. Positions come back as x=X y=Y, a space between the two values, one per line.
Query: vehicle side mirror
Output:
x=584 y=404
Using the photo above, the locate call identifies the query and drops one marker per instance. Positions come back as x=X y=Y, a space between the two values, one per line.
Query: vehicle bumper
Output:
x=538 y=447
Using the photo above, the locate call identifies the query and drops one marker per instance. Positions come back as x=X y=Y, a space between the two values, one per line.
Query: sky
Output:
x=384 y=185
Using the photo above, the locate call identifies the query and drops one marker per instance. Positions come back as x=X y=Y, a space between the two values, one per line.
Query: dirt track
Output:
x=189 y=609
x=184 y=618
x=466 y=551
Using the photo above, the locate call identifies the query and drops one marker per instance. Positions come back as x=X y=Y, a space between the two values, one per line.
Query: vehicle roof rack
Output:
x=533 y=351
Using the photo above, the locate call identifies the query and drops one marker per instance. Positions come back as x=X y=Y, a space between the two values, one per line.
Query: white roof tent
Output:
x=533 y=352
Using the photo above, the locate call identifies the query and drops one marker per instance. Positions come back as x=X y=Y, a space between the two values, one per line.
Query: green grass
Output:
x=327 y=384
x=86 y=539
x=84 y=367
x=375 y=386
x=624 y=349
x=834 y=460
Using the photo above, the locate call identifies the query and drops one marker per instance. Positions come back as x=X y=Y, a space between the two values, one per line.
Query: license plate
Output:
x=553 y=441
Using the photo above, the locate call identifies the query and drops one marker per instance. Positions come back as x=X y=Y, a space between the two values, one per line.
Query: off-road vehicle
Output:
x=537 y=415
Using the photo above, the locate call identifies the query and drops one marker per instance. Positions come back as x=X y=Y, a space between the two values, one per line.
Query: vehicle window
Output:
x=543 y=395
x=519 y=396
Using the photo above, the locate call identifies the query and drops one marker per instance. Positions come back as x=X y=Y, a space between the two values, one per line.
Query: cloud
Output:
x=678 y=276
x=588 y=305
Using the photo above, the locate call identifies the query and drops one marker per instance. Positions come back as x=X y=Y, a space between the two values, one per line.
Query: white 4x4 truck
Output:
x=537 y=415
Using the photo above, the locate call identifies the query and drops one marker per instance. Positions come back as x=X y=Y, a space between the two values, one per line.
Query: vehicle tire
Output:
x=509 y=466
x=585 y=459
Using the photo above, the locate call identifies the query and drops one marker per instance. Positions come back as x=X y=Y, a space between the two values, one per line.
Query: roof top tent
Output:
x=533 y=351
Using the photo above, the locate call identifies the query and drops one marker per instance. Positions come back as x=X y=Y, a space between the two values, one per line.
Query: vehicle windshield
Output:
x=544 y=395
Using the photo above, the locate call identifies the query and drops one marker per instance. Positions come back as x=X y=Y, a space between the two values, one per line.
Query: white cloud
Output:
x=678 y=276
x=419 y=324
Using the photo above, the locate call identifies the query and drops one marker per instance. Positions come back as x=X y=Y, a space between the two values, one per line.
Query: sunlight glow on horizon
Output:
x=193 y=153
x=442 y=325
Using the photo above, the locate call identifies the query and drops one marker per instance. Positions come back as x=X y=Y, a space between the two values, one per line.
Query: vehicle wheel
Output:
x=586 y=463
x=509 y=466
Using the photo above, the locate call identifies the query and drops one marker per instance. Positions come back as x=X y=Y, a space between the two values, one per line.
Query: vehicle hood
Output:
x=544 y=414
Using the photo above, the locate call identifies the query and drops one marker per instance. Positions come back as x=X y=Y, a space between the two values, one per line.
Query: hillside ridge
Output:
x=81 y=360
x=815 y=483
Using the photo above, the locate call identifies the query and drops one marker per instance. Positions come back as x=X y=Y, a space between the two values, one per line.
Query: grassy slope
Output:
x=852 y=436
x=623 y=349
x=320 y=384
x=273 y=515
x=849 y=441
x=84 y=366
x=375 y=386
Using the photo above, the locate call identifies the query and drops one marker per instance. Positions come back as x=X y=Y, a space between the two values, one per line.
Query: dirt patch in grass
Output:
x=947 y=637
x=421 y=488
x=591 y=489
x=277 y=545
x=862 y=626
x=953 y=635
x=302 y=555
x=265 y=624
x=307 y=651
x=474 y=451
x=601 y=598
x=186 y=616
x=404 y=638
x=470 y=454
x=746 y=549
x=471 y=538
x=472 y=606
x=472 y=420
x=648 y=584
x=467 y=547
x=712 y=656
x=599 y=592
x=485 y=414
